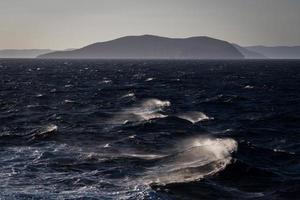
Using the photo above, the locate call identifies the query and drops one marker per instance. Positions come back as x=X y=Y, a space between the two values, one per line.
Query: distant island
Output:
x=153 y=47
x=156 y=47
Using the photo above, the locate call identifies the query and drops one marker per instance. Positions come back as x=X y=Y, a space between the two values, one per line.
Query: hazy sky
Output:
x=60 y=24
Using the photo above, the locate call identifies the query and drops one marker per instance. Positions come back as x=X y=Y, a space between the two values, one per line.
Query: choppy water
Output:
x=91 y=129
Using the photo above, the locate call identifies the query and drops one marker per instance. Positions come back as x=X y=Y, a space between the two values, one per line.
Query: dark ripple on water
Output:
x=149 y=129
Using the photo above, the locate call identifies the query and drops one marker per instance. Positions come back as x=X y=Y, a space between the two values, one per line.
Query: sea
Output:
x=149 y=129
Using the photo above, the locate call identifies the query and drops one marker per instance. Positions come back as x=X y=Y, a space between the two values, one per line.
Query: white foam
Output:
x=128 y=95
x=249 y=87
x=143 y=156
x=195 y=159
x=106 y=145
x=194 y=116
x=149 y=79
x=52 y=127
x=147 y=116
x=106 y=81
x=148 y=109
x=49 y=129
x=68 y=101
x=68 y=85
x=39 y=95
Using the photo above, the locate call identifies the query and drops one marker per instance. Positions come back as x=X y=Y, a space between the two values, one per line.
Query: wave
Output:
x=248 y=87
x=223 y=99
x=128 y=95
x=105 y=81
x=148 y=109
x=44 y=132
x=194 y=116
x=149 y=79
x=153 y=109
x=68 y=85
x=196 y=159
x=49 y=128
x=39 y=95
x=143 y=156
x=69 y=101
x=32 y=135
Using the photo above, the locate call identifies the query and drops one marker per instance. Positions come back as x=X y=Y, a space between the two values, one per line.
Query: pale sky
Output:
x=61 y=24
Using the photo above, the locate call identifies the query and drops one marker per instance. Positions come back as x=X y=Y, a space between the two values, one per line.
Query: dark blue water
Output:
x=92 y=129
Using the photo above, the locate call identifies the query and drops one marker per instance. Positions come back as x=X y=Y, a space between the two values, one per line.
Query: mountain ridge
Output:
x=154 y=47
x=158 y=47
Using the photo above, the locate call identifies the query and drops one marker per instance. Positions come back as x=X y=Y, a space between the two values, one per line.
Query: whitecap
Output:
x=106 y=81
x=147 y=116
x=128 y=95
x=149 y=79
x=249 y=87
x=47 y=130
x=194 y=116
x=69 y=101
x=106 y=145
x=155 y=103
x=39 y=95
x=68 y=85
x=148 y=109
x=132 y=136
x=143 y=156
x=195 y=159
x=51 y=128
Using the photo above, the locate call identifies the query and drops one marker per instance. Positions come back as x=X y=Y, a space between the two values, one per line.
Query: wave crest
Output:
x=148 y=109
x=194 y=117
x=199 y=158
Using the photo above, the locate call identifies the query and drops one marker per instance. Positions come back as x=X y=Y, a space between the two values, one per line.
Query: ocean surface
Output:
x=113 y=129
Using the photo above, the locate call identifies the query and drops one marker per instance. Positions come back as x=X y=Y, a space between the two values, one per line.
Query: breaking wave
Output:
x=44 y=132
x=194 y=159
x=148 y=109
x=194 y=117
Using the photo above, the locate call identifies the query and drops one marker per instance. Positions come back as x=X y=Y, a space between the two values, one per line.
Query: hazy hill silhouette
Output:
x=23 y=53
x=277 y=52
x=249 y=54
x=154 y=47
